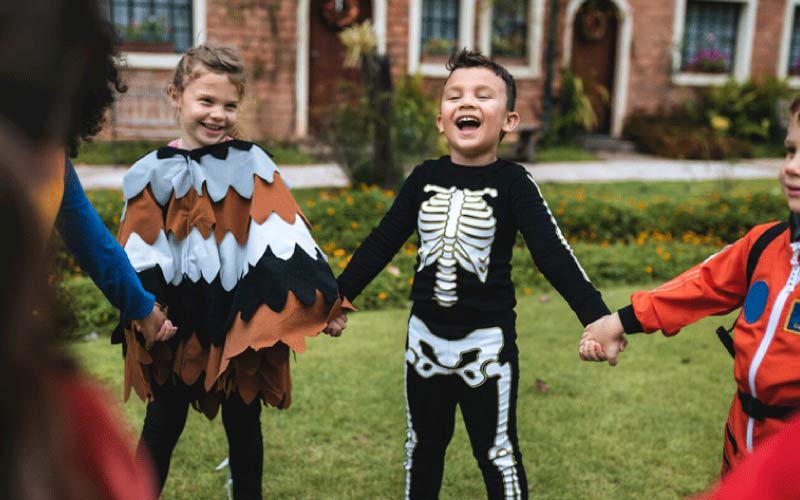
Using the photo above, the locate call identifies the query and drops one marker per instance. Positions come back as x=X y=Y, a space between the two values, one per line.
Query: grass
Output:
x=127 y=152
x=562 y=152
x=623 y=190
x=649 y=428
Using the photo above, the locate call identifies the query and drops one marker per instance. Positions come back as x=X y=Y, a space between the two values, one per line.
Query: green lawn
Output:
x=649 y=428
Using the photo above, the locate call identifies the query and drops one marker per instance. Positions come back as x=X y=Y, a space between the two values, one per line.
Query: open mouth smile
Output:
x=468 y=123
x=213 y=128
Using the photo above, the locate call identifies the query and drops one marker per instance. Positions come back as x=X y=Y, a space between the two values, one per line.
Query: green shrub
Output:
x=746 y=110
x=723 y=121
x=617 y=238
x=347 y=127
x=574 y=113
x=673 y=135
x=85 y=308
x=415 y=136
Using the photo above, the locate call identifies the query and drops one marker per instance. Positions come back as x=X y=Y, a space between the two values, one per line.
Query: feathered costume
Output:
x=216 y=235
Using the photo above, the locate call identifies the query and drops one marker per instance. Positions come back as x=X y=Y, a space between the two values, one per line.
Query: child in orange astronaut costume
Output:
x=760 y=273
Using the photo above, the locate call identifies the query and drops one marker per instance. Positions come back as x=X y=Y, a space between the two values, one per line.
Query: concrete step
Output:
x=605 y=143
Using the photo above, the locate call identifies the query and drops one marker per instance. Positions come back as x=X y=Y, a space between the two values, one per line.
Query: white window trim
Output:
x=465 y=37
x=744 y=47
x=535 y=35
x=153 y=60
x=786 y=45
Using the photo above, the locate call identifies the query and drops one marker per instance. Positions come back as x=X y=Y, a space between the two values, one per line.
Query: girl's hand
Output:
x=336 y=325
x=155 y=327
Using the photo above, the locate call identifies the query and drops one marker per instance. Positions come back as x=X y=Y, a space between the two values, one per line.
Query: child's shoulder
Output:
x=511 y=167
x=218 y=167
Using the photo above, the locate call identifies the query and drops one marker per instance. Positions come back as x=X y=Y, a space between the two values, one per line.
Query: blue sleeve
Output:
x=97 y=251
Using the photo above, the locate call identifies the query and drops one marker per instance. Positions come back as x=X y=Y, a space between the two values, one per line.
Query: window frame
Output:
x=155 y=60
x=533 y=68
x=466 y=36
x=744 y=46
x=786 y=45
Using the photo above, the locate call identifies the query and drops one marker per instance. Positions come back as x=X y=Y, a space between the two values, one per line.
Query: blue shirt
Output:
x=97 y=251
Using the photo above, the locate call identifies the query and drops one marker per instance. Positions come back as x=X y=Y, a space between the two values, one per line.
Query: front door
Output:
x=327 y=53
x=594 y=48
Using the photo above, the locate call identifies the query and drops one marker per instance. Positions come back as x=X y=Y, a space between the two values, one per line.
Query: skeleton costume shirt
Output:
x=467 y=220
x=216 y=236
x=461 y=348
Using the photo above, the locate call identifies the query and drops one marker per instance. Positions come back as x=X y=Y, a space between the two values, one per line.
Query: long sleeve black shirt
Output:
x=464 y=214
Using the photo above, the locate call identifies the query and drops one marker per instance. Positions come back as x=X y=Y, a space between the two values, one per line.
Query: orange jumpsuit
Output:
x=766 y=333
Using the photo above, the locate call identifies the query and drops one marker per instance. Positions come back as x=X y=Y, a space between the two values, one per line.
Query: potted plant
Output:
x=709 y=59
x=150 y=35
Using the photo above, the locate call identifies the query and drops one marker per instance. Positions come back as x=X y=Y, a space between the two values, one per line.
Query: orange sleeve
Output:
x=716 y=286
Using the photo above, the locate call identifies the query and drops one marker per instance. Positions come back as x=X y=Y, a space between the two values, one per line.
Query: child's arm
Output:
x=715 y=286
x=104 y=260
x=378 y=248
x=603 y=340
x=551 y=253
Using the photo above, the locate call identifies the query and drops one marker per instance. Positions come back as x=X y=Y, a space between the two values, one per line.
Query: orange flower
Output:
x=383 y=295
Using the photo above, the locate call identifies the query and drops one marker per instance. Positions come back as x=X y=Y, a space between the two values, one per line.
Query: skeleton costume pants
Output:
x=468 y=372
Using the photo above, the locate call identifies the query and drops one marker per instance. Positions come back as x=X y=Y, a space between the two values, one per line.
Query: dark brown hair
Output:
x=473 y=59
x=60 y=74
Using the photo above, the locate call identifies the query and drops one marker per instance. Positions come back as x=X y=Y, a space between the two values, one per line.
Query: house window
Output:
x=509 y=31
x=439 y=31
x=710 y=37
x=152 y=25
x=794 y=47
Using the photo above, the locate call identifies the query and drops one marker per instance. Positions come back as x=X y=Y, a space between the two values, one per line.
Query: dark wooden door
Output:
x=326 y=59
x=594 y=48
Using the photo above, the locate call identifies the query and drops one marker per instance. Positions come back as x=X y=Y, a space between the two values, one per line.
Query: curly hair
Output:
x=64 y=76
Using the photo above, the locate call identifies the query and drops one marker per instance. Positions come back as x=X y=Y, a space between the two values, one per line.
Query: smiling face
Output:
x=207 y=109
x=790 y=170
x=473 y=114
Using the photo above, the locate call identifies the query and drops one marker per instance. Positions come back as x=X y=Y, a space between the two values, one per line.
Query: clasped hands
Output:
x=603 y=340
x=155 y=327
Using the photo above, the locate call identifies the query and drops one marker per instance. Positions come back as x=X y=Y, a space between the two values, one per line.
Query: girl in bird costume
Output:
x=214 y=233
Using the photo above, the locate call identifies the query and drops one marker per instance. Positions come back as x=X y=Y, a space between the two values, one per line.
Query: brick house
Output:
x=645 y=53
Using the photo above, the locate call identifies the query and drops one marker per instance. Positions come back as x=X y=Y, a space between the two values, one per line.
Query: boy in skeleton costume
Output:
x=461 y=348
x=216 y=236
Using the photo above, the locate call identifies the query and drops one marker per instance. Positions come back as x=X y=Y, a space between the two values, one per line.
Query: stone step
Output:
x=605 y=143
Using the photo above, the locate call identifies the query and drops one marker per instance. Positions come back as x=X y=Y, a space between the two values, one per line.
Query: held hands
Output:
x=155 y=327
x=336 y=325
x=603 y=340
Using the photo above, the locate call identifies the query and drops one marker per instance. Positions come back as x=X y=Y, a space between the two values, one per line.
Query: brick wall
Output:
x=266 y=32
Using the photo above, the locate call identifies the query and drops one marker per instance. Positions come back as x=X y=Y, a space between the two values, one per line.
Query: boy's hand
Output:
x=155 y=327
x=336 y=325
x=603 y=340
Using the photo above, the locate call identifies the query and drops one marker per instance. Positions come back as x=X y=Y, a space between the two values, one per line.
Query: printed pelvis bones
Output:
x=474 y=358
x=455 y=227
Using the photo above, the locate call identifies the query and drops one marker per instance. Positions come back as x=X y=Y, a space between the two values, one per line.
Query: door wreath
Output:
x=339 y=14
x=593 y=24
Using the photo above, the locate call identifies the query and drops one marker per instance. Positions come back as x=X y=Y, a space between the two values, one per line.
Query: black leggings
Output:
x=166 y=418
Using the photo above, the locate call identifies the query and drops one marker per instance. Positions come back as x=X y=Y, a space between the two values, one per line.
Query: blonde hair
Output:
x=218 y=59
